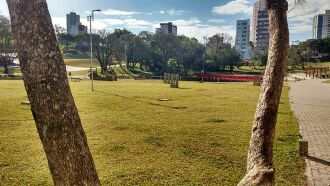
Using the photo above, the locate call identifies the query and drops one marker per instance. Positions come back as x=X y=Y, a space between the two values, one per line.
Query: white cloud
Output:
x=192 y=27
x=114 y=12
x=234 y=7
x=216 y=21
x=300 y=18
x=175 y=12
x=162 y=12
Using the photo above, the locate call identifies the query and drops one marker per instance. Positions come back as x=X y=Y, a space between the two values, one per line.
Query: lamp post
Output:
x=90 y=19
x=204 y=53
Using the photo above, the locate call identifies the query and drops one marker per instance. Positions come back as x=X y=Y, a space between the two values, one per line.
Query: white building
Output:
x=243 y=38
x=321 y=25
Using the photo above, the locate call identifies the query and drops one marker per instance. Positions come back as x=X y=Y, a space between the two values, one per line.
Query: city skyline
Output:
x=193 y=18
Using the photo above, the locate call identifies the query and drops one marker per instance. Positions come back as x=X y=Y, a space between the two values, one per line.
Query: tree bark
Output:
x=53 y=108
x=260 y=170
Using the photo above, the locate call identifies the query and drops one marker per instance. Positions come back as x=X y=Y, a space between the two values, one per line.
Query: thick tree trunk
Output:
x=55 y=114
x=260 y=170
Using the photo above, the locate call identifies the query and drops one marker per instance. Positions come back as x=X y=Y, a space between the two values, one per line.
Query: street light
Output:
x=90 y=19
x=204 y=52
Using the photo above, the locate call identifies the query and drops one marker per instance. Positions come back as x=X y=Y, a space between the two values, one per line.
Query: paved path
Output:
x=72 y=69
x=310 y=100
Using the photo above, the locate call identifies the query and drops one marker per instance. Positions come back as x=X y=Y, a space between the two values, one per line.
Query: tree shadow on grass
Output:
x=137 y=100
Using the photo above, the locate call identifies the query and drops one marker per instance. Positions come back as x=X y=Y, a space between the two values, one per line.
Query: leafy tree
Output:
x=66 y=39
x=7 y=45
x=52 y=105
x=296 y=57
x=166 y=46
x=104 y=50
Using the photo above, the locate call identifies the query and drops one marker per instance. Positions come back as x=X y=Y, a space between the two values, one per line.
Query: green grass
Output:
x=327 y=81
x=200 y=137
x=81 y=62
x=323 y=64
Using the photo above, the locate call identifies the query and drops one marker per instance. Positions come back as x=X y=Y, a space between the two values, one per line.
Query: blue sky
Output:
x=194 y=18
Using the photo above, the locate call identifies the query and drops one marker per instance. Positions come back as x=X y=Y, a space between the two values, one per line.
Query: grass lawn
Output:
x=200 y=137
x=81 y=62
x=322 y=64
x=327 y=81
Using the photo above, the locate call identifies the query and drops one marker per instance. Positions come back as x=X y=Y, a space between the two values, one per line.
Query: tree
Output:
x=104 y=49
x=263 y=58
x=52 y=105
x=165 y=45
x=260 y=170
x=296 y=58
x=7 y=45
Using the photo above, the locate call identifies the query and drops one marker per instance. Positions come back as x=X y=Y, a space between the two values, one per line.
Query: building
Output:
x=321 y=25
x=260 y=26
x=242 y=38
x=73 y=25
x=167 y=28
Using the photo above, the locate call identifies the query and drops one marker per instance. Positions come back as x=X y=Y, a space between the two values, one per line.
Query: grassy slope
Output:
x=81 y=62
x=200 y=137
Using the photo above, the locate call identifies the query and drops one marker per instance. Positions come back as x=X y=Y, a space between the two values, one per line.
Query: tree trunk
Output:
x=53 y=108
x=260 y=170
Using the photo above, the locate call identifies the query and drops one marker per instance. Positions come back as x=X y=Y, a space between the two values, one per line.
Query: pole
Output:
x=203 y=67
x=91 y=40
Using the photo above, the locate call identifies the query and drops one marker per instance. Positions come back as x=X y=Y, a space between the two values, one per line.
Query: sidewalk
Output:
x=310 y=101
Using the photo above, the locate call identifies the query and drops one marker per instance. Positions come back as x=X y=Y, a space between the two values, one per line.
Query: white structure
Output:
x=73 y=25
x=260 y=32
x=243 y=38
x=167 y=28
x=321 y=25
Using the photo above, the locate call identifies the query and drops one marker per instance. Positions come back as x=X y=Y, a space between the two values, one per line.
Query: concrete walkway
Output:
x=73 y=69
x=310 y=101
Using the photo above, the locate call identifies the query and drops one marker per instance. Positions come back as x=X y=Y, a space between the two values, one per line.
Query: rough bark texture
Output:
x=55 y=114
x=260 y=170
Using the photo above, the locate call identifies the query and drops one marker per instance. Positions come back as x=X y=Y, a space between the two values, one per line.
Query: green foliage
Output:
x=220 y=54
x=263 y=59
x=137 y=140
x=8 y=51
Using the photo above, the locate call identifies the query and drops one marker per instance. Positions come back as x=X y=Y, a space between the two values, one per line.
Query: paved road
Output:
x=72 y=69
x=310 y=100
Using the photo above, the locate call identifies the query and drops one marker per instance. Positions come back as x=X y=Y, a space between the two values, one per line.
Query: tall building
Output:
x=321 y=25
x=260 y=32
x=73 y=25
x=243 y=38
x=167 y=28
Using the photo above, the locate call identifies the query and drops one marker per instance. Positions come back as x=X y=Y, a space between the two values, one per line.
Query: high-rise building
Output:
x=243 y=38
x=73 y=25
x=167 y=28
x=321 y=25
x=260 y=32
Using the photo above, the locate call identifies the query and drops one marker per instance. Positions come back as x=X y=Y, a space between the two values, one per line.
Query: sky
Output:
x=194 y=18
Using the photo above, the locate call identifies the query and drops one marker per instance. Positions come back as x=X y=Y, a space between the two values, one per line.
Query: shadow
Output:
x=318 y=160
x=137 y=100
x=184 y=88
x=15 y=120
